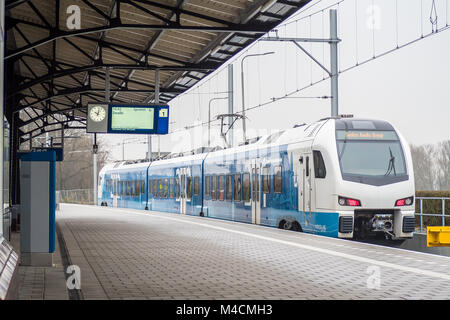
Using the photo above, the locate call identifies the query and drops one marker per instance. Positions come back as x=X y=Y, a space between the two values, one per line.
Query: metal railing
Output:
x=423 y=215
x=80 y=196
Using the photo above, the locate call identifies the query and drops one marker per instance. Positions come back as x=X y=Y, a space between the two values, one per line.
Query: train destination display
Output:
x=128 y=118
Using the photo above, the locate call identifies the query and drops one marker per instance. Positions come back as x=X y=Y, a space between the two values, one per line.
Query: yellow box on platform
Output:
x=438 y=236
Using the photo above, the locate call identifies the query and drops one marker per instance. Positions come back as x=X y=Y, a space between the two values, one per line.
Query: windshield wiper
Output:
x=391 y=165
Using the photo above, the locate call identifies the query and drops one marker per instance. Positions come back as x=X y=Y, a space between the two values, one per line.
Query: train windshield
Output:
x=373 y=157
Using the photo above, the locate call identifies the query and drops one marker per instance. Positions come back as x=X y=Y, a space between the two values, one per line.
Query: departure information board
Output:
x=128 y=118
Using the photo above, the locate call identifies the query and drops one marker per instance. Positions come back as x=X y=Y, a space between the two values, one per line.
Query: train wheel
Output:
x=296 y=226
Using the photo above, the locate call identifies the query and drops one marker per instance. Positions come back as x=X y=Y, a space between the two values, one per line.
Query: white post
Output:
x=230 y=104
x=2 y=70
x=334 y=63
x=244 y=134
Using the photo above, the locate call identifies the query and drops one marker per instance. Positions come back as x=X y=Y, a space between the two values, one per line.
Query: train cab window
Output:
x=277 y=179
x=266 y=179
x=188 y=187
x=246 y=186
x=319 y=165
x=196 y=185
x=171 y=186
x=214 y=187
x=221 y=192
x=207 y=185
x=229 y=187
x=237 y=187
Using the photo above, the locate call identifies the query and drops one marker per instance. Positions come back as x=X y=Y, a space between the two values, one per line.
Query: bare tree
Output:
x=424 y=168
x=75 y=172
x=443 y=165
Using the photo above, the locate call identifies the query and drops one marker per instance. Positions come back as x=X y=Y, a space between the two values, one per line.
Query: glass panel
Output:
x=277 y=183
x=229 y=193
x=214 y=187
x=319 y=166
x=371 y=159
x=266 y=179
x=177 y=187
x=189 y=188
x=221 y=187
x=237 y=187
x=166 y=188
x=207 y=185
x=155 y=188
x=246 y=187
x=196 y=186
x=183 y=186
x=160 y=188
x=171 y=186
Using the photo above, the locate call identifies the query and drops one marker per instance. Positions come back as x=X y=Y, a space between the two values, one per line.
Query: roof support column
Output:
x=334 y=63
x=2 y=71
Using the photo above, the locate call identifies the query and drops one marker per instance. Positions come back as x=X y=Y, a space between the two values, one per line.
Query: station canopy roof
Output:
x=52 y=72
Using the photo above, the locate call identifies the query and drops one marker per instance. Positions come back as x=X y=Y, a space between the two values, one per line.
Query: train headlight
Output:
x=404 y=202
x=349 y=202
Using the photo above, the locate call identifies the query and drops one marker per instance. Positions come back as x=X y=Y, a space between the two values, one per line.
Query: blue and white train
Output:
x=338 y=177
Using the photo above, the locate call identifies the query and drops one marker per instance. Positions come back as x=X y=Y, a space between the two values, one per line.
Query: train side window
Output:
x=214 y=187
x=319 y=165
x=229 y=193
x=277 y=179
x=266 y=179
x=142 y=186
x=150 y=187
x=237 y=187
x=177 y=187
x=160 y=188
x=188 y=187
x=221 y=187
x=196 y=185
x=166 y=188
x=246 y=186
x=137 y=189
x=128 y=188
x=171 y=186
x=155 y=188
x=307 y=166
x=207 y=185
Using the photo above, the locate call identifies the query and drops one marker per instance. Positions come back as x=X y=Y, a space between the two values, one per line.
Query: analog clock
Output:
x=97 y=113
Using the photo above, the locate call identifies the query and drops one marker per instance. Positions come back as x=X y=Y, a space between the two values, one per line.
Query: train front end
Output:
x=374 y=190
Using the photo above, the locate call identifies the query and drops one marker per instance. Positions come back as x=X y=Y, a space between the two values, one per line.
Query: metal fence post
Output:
x=443 y=211
x=421 y=214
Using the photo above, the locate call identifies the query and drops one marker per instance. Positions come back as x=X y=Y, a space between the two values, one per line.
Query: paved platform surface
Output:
x=132 y=254
x=41 y=283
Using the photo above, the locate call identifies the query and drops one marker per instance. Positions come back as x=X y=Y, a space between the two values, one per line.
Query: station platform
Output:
x=133 y=254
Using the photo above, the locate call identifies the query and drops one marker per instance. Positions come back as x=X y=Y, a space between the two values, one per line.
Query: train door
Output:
x=256 y=191
x=305 y=188
x=183 y=194
x=115 y=193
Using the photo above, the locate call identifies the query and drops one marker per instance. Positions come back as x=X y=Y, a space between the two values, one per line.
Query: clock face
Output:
x=97 y=113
